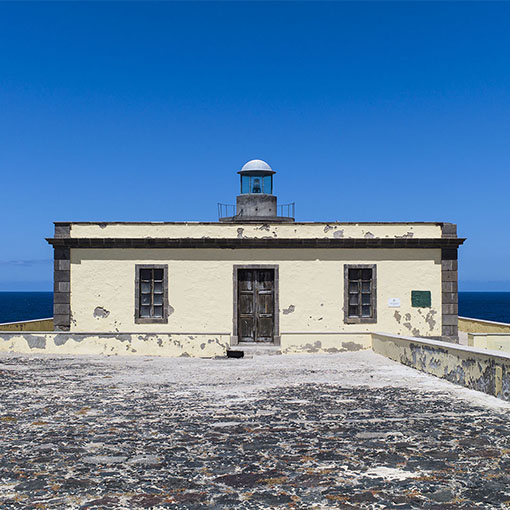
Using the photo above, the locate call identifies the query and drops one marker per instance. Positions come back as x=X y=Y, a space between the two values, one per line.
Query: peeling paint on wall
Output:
x=429 y=319
x=198 y=278
x=100 y=312
x=35 y=341
x=330 y=343
x=225 y=230
x=473 y=368
x=288 y=310
x=352 y=346
x=155 y=344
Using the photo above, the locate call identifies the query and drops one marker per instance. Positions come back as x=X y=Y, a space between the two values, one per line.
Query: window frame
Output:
x=373 y=295
x=151 y=320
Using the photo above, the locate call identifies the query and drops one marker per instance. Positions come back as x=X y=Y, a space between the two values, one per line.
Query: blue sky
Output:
x=145 y=111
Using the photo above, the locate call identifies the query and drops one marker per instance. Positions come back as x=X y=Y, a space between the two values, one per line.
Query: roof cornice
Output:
x=234 y=243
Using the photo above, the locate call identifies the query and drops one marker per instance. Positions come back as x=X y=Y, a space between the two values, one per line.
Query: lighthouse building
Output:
x=255 y=279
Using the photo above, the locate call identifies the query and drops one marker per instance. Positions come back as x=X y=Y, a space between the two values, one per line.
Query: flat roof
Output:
x=240 y=223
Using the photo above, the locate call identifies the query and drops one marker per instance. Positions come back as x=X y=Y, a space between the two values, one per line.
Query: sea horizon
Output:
x=31 y=305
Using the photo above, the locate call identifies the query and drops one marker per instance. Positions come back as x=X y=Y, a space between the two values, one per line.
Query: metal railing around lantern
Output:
x=230 y=211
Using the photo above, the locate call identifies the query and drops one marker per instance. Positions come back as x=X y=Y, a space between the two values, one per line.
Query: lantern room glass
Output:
x=257 y=184
x=245 y=184
x=268 y=184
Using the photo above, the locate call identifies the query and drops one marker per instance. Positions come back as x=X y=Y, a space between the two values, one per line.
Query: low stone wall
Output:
x=492 y=341
x=480 y=370
x=480 y=326
x=294 y=343
x=175 y=344
x=154 y=344
x=32 y=325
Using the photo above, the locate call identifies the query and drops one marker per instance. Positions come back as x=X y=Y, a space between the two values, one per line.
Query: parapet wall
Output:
x=32 y=325
x=481 y=370
x=492 y=341
x=296 y=343
x=154 y=344
x=202 y=345
x=201 y=230
x=469 y=325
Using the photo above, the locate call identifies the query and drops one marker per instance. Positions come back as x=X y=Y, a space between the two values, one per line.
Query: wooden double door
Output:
x=256 y=305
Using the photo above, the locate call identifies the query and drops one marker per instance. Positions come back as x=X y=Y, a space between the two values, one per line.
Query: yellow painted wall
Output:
x=292 y=343
x=33 y=325
x=492 y=341
x=249 y=230
x=205 y=346
x=162 y=344
x=201 y=289
x=480 y=326
x=471 y=367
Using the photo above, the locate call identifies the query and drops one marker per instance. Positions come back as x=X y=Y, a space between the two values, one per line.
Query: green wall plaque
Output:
x=421 y=299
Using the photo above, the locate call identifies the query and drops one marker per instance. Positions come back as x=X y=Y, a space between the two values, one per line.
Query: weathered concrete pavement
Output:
x=349 y=430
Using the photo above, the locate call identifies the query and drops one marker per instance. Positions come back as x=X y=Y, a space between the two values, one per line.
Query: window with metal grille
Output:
x=360 y=295
x=151 y=293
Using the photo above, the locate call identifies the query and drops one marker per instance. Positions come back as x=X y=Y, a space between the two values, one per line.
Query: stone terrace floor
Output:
x=349 y=430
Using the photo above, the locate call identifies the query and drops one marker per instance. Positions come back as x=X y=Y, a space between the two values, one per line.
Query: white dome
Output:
x=256 y=164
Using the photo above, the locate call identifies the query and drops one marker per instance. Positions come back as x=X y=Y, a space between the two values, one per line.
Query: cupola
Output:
x=256 y=201
x=256 y=178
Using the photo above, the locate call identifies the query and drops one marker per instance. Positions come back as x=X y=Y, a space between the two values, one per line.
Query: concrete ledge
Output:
x=153 y=344
x=31 y=325
x=470 y=325
x=478 y=369
x=492 y=341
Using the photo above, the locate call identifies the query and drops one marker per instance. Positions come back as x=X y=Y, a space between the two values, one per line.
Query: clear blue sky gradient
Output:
x=145 y=111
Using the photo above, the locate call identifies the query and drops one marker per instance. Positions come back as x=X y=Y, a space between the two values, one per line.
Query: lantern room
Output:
x=256 y=178
x=256 y=201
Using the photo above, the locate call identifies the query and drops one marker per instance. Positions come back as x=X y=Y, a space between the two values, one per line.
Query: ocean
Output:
x=491 y=306
x=23 y=306
x=19 y=306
